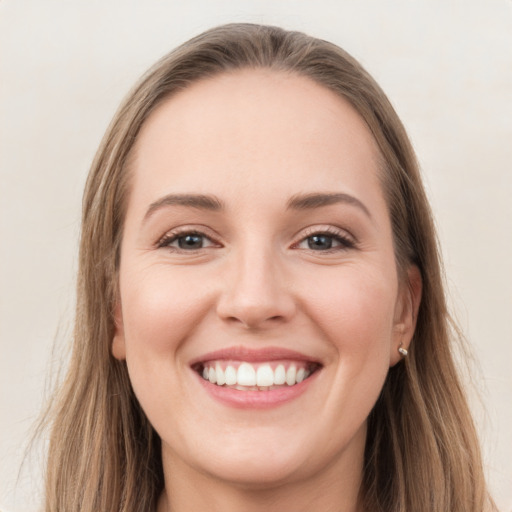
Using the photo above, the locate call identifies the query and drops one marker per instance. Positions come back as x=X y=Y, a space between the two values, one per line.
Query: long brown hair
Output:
x=422 y=452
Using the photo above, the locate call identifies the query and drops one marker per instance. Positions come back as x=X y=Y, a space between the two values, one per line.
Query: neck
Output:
x=333 y=489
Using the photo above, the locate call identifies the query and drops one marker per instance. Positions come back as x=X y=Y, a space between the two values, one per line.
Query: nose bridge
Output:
x=256 y=291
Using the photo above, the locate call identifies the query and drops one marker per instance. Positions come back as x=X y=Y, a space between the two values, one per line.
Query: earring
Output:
x=402 y=350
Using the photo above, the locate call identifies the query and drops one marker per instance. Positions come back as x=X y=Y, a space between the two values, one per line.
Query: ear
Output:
x=406 y=312
x=118 y=343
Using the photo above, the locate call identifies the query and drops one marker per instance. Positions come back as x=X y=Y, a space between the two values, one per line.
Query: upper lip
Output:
x=241 y=353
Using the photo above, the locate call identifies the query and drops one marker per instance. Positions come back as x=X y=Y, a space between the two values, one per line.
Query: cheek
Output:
x=160 y=308
x=354 y=309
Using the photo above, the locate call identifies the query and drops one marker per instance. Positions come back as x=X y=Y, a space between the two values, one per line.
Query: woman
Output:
x=261 y=322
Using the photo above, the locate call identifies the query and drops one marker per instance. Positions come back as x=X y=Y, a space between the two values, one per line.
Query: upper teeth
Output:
x=247 y=375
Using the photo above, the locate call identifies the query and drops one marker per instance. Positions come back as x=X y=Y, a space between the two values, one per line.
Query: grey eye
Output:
x=186 y=241
x=325 y=241
x=190 y=241
x=320 y=242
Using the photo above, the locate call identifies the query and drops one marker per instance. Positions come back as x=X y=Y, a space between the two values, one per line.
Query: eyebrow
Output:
x=296 y=202
x=199 y=201
x=318 y=200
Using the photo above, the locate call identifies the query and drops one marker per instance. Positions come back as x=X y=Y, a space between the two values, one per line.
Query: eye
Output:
x=326 y=241
x=186 y=241
x=320 y=242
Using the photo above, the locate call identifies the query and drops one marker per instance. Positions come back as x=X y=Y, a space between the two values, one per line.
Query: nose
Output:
x=254 y=292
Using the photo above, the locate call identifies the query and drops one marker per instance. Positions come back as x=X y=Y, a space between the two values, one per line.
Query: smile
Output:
x=266 y=376
x=247 y=378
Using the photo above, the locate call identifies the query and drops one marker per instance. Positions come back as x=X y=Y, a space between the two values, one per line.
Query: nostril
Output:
x=254 y=300
x=255 y=321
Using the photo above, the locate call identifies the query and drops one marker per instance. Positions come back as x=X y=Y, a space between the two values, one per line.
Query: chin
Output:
x=261 y=473
x=252 y=458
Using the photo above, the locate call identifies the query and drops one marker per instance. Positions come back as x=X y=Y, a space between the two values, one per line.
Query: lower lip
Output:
x=256 y=399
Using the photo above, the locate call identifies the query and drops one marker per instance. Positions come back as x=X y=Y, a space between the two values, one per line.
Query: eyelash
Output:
x=169 y=238
x=345 y=242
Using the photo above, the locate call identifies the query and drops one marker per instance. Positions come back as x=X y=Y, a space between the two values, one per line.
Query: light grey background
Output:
x=65 y=65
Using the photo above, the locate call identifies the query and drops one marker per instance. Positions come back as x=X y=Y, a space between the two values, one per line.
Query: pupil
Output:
x=318 y=242
x=190 y=242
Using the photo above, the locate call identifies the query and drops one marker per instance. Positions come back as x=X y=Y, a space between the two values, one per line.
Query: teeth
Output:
x=265 y=376
x=249 y=378
x=246 y=376
x=230 y=376
x=290 y=375
x=280 y=375
x=221 y=378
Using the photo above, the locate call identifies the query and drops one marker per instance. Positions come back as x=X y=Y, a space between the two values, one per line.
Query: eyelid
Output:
x=194 y=229
x=347 y=239
x=341 y=234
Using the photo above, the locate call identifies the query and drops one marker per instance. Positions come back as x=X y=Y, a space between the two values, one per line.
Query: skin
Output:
x=254 y=139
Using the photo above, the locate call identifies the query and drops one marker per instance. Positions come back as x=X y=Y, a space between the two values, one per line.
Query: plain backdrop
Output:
x=64 y=67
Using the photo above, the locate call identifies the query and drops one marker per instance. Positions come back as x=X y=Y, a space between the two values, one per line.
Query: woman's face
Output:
x=260 y=307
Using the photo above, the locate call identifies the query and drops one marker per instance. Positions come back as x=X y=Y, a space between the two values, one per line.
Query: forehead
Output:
x=259 y=130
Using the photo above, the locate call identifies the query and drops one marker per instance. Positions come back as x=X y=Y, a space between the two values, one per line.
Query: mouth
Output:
x=247 y=376
x=263 y=370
